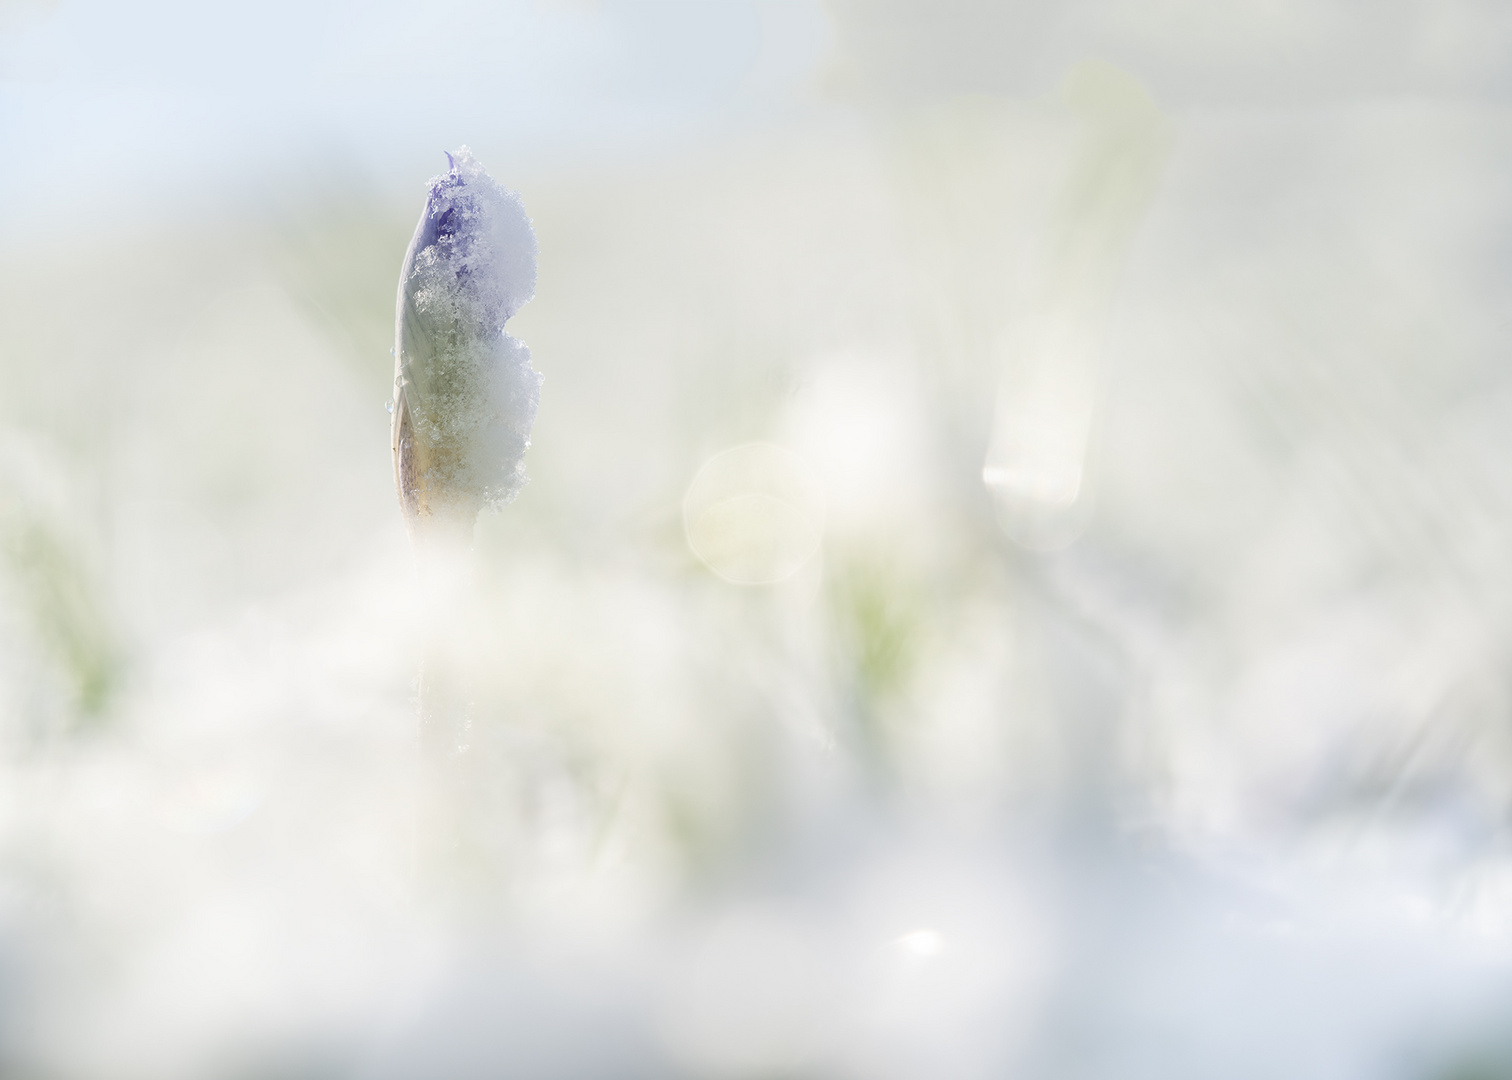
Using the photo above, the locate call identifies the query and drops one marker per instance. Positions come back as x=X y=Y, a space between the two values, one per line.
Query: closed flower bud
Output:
x=465 y=394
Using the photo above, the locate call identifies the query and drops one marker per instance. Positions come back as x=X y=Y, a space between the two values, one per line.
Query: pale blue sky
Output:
x=113 y=111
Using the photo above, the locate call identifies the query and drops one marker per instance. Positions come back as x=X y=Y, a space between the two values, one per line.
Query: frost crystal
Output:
x=465 y=393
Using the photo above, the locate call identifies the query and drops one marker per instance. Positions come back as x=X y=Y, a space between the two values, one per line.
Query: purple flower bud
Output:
x=465 y=394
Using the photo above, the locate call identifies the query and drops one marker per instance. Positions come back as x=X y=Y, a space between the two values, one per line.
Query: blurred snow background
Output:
x=1013 y=579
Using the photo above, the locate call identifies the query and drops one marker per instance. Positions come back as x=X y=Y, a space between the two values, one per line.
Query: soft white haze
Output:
x=1013 y=579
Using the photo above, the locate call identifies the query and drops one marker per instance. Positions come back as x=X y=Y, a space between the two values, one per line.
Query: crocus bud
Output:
x=465 y=394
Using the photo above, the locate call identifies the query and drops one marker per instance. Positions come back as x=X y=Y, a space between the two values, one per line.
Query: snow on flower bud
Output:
x=465 y=394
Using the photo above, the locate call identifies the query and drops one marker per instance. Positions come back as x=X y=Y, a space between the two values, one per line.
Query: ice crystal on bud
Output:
x=465 y=394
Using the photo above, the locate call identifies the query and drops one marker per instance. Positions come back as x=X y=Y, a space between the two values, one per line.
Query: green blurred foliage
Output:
x=339 y=260
x=68 y=612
